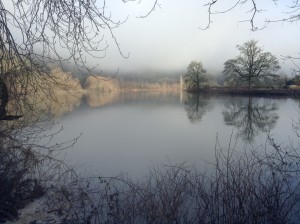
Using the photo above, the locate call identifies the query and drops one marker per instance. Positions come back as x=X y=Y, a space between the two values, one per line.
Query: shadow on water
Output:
x=251 y=116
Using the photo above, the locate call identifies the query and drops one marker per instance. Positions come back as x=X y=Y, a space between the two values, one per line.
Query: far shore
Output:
x=251 y=92
x=216 y=90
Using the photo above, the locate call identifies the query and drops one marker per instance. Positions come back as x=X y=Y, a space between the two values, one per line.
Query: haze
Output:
x=171 y=36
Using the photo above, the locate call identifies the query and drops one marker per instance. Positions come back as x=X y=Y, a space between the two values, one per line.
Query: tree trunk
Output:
x=3 y=98
x=4 y=102
x=249 y=83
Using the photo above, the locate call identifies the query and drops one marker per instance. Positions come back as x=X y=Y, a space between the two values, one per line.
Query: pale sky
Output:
x=171 y=36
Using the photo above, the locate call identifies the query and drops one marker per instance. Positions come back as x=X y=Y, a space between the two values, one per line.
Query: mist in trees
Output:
x=32 y=36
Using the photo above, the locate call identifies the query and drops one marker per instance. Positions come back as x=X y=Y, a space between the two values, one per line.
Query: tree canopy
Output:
x=195 y=76
x=251 y=66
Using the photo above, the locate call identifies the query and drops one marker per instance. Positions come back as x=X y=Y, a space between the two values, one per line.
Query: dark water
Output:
x=131 y=132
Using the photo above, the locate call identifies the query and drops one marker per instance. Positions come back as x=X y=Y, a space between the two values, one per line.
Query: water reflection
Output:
x=98 y=99
x=128 y=133
x=196 y=106
x=250 y=115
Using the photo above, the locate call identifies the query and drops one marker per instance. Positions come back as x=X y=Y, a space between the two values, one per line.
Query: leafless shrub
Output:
x=18 y=183
x=249 y=186
x=29 y=163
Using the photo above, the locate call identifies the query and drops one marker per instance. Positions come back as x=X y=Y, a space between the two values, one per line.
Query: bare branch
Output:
x=292 y=10
x=155 y=4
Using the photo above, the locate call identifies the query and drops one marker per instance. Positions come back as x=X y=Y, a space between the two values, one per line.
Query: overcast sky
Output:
x=171 y=36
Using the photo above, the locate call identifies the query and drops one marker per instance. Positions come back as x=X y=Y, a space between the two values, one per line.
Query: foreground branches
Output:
x=36 y=34
x=290 y=11
x=253 y=186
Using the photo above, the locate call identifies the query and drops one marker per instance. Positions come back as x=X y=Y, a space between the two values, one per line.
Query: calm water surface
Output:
x=131 y=132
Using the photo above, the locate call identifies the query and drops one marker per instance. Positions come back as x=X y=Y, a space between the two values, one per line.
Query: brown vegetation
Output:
x=64 y=81
x=100 y=84
x=97 y=99
x=104 y=84
x=144 y=85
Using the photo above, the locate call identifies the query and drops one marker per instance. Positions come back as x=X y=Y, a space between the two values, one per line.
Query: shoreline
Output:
x=248 y=92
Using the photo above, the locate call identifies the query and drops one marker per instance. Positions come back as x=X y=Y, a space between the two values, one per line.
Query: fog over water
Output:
x=130 y=133
x=170 y=37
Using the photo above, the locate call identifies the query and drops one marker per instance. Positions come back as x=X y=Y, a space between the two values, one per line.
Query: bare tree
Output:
x=195 y=76
x=259 y=16
x=252 y=65
x=34 y=34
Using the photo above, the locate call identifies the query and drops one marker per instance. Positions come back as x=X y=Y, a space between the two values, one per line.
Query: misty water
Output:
x=132 y=132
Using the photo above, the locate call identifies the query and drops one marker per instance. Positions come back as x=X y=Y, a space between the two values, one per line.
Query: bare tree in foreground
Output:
x=34 y=34
x=290 y=11
x=242 y=186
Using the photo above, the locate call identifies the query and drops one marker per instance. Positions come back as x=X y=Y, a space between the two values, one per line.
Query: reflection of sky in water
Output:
x=137 y=132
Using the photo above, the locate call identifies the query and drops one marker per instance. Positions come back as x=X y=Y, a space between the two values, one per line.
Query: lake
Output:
x=132 y=132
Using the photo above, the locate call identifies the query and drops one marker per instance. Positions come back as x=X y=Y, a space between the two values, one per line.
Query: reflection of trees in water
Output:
x=196 y=106
x=99 y=99
x=250 y=188
x=251 y=116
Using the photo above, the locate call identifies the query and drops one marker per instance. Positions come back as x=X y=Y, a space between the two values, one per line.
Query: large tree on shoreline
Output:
x=195 y=76
x=251 y=65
